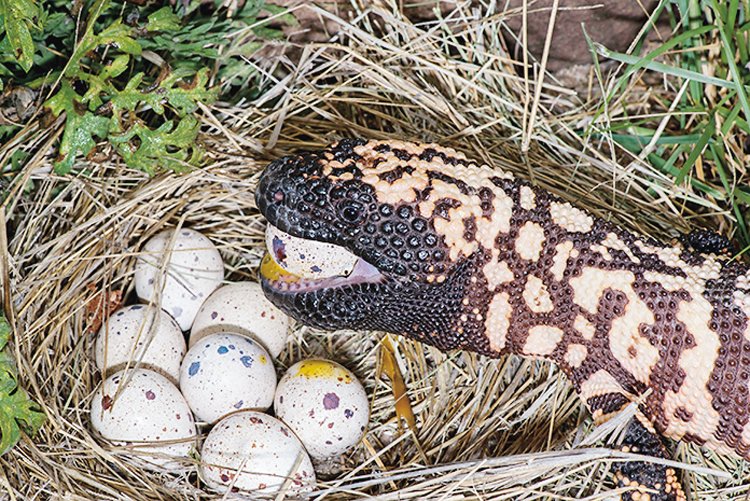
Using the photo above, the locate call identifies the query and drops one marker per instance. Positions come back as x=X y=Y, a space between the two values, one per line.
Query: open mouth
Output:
x=294 y=264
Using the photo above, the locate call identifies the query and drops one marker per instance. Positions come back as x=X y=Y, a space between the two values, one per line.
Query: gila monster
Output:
x=463 y=256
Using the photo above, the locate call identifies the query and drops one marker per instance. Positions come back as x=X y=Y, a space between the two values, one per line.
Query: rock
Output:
x=613 y=24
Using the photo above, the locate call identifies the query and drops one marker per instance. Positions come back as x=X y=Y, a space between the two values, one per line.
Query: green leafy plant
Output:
x=106 y=111
x=17 y=411
x=131 y=75
x=19 y=18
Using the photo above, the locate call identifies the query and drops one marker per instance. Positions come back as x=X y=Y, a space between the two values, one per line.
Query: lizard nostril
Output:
x=278 y=196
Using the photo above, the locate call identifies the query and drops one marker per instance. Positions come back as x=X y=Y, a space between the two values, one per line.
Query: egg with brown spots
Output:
x=325 y=405
x=223 y=373
x=256 y=454
x=178 y=270
x=140 y=334
x=144 y=412
x=308 y=258
x=242 y=307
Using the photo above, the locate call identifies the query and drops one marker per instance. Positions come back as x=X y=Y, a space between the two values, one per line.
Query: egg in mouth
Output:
x=293 y=264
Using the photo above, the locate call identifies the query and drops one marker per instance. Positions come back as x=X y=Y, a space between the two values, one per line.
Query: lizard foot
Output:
x=648 y=481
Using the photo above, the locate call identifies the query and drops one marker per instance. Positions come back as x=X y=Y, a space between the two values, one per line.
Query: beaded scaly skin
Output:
x=471 y=258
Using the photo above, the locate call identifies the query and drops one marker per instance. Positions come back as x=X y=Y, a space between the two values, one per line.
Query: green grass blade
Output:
x=700 y=145
x=662 y=68
x=726 y=45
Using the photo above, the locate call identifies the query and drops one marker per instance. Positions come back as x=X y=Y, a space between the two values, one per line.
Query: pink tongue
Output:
x=363 y=272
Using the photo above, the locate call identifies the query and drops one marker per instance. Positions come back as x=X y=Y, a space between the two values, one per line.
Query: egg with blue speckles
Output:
x=178 y=269
x=255 y=454
x=144 y=412
x=242 y=307
x=224 y=373
x=308 y=258
x=140 y=333
x=326 y=406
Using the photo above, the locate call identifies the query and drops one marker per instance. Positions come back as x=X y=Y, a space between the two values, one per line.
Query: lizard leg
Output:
x=651 y=481
x=648 y=481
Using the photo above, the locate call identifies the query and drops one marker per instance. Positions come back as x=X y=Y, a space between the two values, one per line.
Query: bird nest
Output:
x=489 y=429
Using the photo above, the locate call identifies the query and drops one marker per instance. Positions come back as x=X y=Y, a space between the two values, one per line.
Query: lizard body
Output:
x=463 y=256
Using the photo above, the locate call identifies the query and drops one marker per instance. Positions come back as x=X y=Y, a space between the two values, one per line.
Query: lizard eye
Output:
x=352 y=212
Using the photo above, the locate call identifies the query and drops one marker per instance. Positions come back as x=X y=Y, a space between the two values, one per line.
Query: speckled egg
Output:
x=192 y=271
x=256 y=453
x=325 y=405
x=144 y=333
x=308 y=258
x=223 y=373
x=242 y=307
x=141 y=409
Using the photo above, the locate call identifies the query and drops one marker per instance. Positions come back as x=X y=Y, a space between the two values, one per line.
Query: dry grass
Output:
x=507 y=429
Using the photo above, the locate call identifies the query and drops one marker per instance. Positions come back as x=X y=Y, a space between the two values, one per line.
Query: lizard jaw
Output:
x=279 y=280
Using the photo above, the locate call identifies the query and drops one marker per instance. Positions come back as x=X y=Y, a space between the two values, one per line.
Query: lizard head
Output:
x=376 y=201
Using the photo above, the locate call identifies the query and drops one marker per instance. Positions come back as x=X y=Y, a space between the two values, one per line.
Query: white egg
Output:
x=325 y=405
x=142 y=333
x=226 y=372
x=308 y=258
x=241 y=307
x=142 y=410
x=255 y=453
x=179 y=270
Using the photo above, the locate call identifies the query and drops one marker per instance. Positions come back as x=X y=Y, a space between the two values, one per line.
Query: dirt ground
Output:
x=613 y=24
